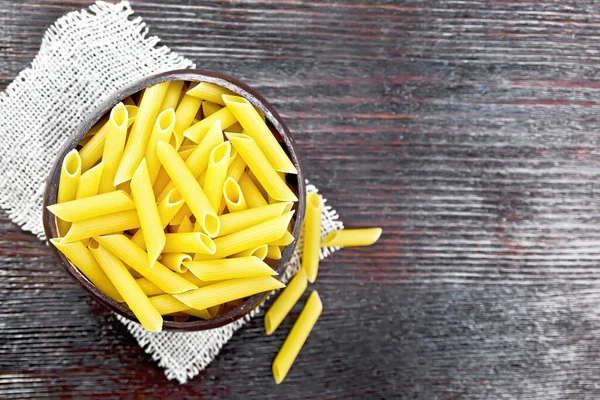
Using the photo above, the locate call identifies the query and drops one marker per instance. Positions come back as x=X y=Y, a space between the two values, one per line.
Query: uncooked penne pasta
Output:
x=140 y=131
x=93 y=206
x=189 y=188
x=252 y=194
x=257 y=129
x=149 y=288
x=260 y=166
x=187 y=109
x=236 y=168
x=184 y=212
x=209 y=91
x=229 y=268
x=197 y=131
x=233 y=196
x=194 y=279
x=297 y=337
x=136 y=258
x=274 y=253
x=70 y=172
x=81 y=257
x=193 y=242
x=186 y=226
x=150 y=221
x=89 y=182
x=209 y=108
x=102 y=225
x=133 y=295
x=312 y=236
x=167 y=304
x=216 y=173
x=236 y=221
x=171 y=99
x=231 y=289
x=352 y=237
x=114 y=144
x=286 y=239
x=174 y=261
x=285 y=302
x=161 y=132
x=258 y=252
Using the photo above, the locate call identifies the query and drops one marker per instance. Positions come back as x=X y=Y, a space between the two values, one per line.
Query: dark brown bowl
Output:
x=277 y=126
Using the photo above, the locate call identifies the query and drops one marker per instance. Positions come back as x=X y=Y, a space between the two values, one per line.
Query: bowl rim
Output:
x=236 y=86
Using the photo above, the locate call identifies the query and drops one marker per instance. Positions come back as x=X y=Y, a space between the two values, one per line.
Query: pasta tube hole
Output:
x=220 y=153
x=211 y=225
x=119 y=115
x=174 y=197
x=228 y=98
x=93 y=245
x=72 y=164
x=166 y=119
x=131 y=112
x=209 y=244
x=232 y=191
x=260 y=252
x=314 y=201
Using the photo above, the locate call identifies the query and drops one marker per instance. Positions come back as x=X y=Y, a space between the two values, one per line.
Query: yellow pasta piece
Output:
x=167 y=304
x=252 y=194
x=189 y=188
x=133 y=295
x=233 y=196
x=258 y=252
x=236 y=168
x=231 y=289
x=260 y=166
x=187 y=109
x=197 y=131
x=216 y=173
x=286 y=239
x=229 y=268
x=150 y=221
x=186 y=226
x=81 y=257
x=196 y=162
x=193 y=242
x=257 y=129
x=174 y=261
x=352 y=237
x=161 y=132
x=194 y=279
x=93 y=206
x=149 y=288
x=214 y=310
x=140 y=131
x=236 y=221
x=249 y=238
x=274 y=253
x=257 y=184
x=285 y=302
x=70 y=172
x=184 y=212
x=102 y=225
x=136 y=258
x=209 y=108
x=171 y=99
x=312 y=236
x=114 y=144
x=89 y=182
x=297 y=337
x=209 y=91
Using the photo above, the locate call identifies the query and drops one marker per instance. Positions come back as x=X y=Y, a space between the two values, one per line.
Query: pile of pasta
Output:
x=177 y=203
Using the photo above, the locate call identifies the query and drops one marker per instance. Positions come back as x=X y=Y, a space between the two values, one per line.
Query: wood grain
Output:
x=467 y=130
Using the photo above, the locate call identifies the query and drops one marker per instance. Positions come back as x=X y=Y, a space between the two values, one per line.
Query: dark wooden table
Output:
x=468 y=130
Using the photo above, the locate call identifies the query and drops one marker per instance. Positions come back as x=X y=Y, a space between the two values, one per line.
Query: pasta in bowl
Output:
x=179 y=202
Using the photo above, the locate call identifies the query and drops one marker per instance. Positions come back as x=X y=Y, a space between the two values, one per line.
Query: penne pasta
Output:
x=70 y=172
x=193 y=242
x=186 y=111
x=259 y=252
x=236 y=221
x=209 y=108
x=260 y=167
x=285 y=302
x=233 y=196
x=312 y=236
x=252 y=194
x=249 y=238
x=161 y=132
x=114 y=144
x=149 y=288
x=93 y=206
x=147 y=210
x=236 y=168
x=171 y=99
x=197 y=131
x=189 y=188
x=81 y=257
x=184 y=212
x=352 y=237
x=216 y=173
x=229 y=268
x=274 y=253
x=257 y=129
x=209 y=91
x=286 y=239
x=127 y=286
x=140 y=131
x=136 y=258
x=174 y=261
x=102 y=225
x=231 y=289
x=89 y=182
x=186 y=226
x=297 y=337
x=194 y=279
x=167 y=304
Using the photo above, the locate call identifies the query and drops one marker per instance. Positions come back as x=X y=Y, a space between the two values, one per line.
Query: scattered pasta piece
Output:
x=312 y=236
x=352 y=237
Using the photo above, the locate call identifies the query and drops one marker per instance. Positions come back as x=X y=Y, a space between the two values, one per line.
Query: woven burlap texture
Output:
x=84 y=57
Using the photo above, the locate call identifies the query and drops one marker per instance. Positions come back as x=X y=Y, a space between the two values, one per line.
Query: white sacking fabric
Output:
x=84 y=57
